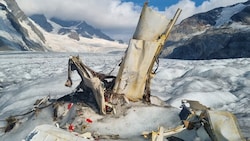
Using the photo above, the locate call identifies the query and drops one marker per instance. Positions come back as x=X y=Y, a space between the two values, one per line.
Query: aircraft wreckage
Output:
x=132 y=84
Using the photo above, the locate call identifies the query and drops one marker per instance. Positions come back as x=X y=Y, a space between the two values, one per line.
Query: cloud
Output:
x=104 y=13
x=116 y=18
x=111 y=16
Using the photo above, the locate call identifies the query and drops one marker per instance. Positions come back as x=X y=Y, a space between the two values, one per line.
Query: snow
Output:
x=4 y=3
x=54 y=134
x=228 y=12
x=239 y=25
x=55 y=42
x=28 y=76
x=8 y=32
x=56 y=27
x=31 y=33
x=3 y=15
x=95 y=45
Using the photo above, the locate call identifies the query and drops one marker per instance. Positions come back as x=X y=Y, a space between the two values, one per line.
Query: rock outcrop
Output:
x=17 y=31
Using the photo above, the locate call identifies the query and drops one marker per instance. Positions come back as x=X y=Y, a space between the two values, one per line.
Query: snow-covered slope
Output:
x=26 y=77
x=17 y=32
x=219 y=33
x=73 y=29
x=62 y=43
x=75 y=36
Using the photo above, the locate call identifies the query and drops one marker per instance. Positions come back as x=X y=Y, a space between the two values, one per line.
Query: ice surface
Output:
x=219 y=84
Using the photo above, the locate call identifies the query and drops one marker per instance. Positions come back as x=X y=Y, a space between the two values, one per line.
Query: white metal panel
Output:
x=134 y=69
x=151 y=25
x=224 y=126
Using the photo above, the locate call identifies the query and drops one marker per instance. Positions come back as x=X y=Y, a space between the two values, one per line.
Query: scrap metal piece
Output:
x=136 y=70
x=207 y=123
x=90 y=80
x=222 y=126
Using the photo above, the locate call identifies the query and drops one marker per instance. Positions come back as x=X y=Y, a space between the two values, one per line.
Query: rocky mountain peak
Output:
x=219 y=33
x=72 y=28
x=17 y=31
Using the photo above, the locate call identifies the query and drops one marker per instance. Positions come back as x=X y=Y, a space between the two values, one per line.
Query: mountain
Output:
x=75 y=36
x=17 y=32
x=20 y=33
x=217 y=34
x=73 y=29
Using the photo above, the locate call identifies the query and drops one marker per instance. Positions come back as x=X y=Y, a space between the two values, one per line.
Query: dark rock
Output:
x=74 y=35
x=243 y=16
x=41 y=20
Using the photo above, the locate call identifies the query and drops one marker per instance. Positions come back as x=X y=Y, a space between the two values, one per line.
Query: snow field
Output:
x=219 y=84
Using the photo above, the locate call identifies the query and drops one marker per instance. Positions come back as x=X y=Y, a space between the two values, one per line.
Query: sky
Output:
x=162 y=4
x=116 y=18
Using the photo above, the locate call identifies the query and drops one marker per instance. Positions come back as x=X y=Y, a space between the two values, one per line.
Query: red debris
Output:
x=106 y=99
x=71 y=127
x=70 y=105
x=89 y=120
